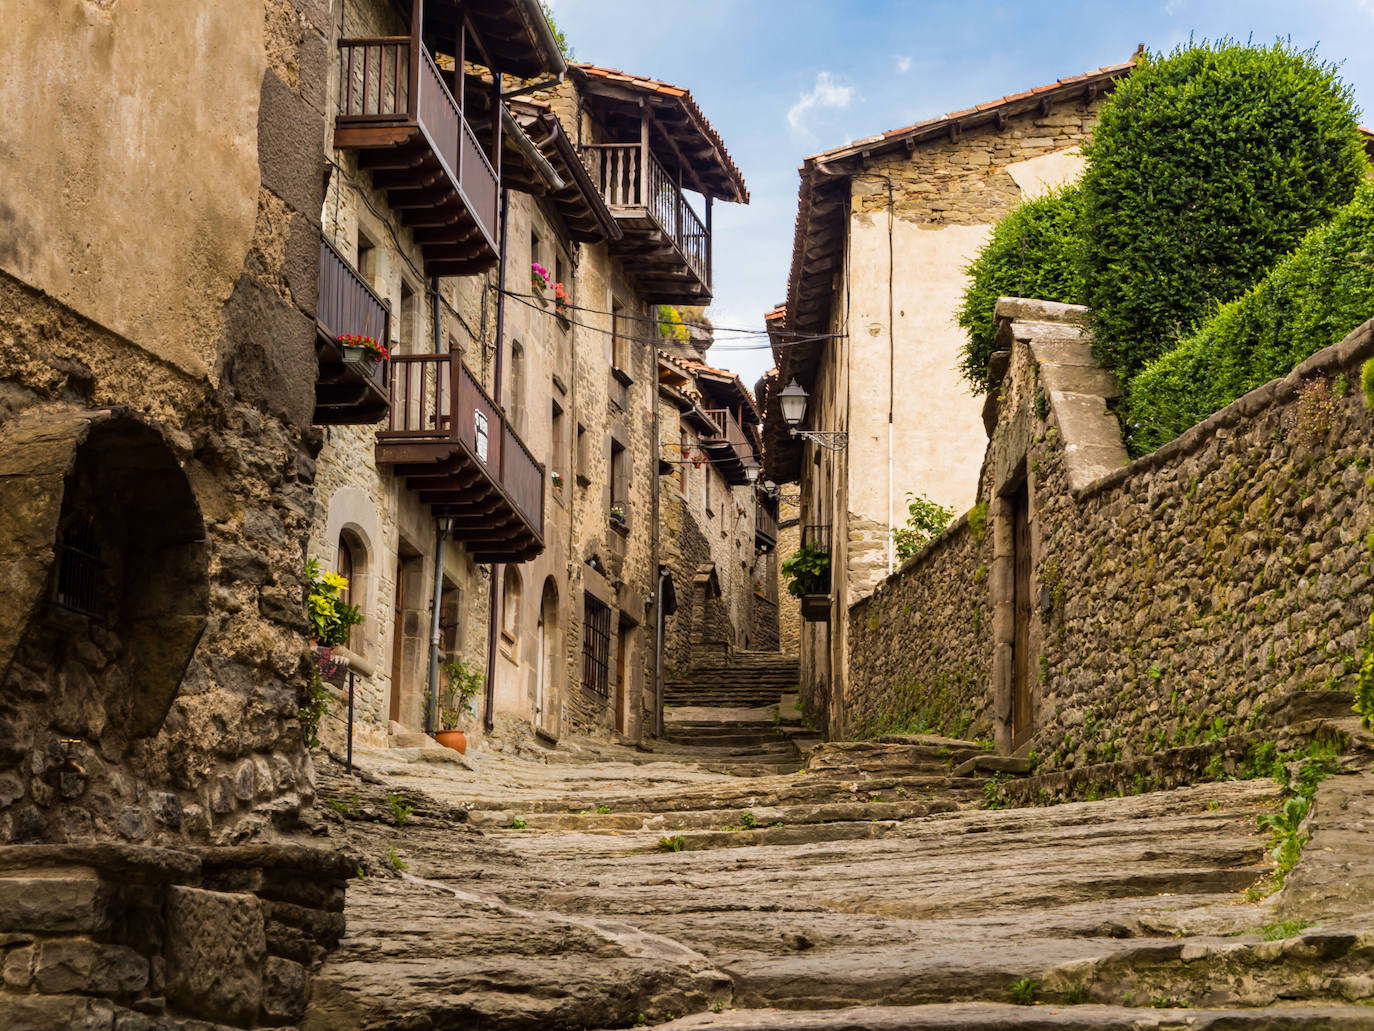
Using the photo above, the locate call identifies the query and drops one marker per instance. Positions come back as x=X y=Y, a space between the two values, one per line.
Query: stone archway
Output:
x=104 y=596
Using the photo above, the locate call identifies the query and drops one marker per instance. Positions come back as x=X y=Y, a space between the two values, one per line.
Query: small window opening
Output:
x=79 y=570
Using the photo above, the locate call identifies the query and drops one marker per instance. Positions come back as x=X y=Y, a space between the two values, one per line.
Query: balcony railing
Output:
x=730 y=430
x=435 y=398
x=619 y=169
x=765 y=528
x=815 y=587
x=385 y=82
x=347 y=393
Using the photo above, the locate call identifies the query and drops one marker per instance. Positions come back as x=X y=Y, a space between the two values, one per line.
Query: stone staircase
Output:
x=752 y=680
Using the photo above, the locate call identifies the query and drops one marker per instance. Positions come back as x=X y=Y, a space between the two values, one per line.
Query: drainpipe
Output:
x=441 y=528
x=489 y=716
x=658 y=651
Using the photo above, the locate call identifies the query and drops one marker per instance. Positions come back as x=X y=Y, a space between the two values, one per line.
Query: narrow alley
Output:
x=714 y=883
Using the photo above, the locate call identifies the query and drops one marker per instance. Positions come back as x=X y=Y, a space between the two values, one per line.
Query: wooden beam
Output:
x=672 y=144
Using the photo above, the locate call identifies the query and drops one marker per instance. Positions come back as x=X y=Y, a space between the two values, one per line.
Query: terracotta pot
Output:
x=454 y=739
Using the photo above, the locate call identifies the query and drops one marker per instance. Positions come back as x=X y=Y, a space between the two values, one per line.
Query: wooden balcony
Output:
x=347 y=393
x=396 y=108
x=727 y=446
x=668 y=243
x=765 y=528
x=815 y=590
x=450 y=442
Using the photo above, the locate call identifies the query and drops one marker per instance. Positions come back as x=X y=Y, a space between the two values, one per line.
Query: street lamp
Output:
x=792 y=399
x=752 y=469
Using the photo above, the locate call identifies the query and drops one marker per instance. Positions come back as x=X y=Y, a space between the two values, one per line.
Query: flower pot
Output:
x=353 y=354
x=454 y=739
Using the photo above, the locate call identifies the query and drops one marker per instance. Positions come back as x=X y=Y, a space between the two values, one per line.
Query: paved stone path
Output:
x=868 y=891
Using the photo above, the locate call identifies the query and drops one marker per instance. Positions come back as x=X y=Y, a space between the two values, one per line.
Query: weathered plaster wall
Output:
x=131 y=175
x=1176 y=600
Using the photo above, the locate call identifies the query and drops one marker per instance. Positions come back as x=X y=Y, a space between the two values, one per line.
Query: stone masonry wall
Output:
x=1176 y=600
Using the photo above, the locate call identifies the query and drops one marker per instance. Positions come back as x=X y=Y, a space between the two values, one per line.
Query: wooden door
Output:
x=1021 y=684
x=622 y=682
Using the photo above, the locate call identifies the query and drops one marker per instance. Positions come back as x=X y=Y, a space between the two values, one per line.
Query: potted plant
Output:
x=620 y=514
x=557 y=480
x=330 y=620
x=358 y=350
x=562 y=302
x=460 y=686
x=539 y=279
x=808 y=578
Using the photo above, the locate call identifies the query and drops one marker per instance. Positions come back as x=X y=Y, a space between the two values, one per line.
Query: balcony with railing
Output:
x=451 y=443
x=670 y=242
x=350 y=389
x=765 y=527
x=727 y=445
x=396 y=109
x=813 y=580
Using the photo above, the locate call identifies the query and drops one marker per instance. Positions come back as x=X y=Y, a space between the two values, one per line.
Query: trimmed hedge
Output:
x=1033 y=252
x=1313 y=298
x=1206 y=166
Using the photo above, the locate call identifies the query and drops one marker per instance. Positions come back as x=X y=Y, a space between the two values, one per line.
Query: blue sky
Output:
x=781 y=80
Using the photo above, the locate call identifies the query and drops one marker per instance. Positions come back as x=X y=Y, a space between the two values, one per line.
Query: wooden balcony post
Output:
x=496 y=126
x=644 y=197
x=709 y=238
x=413 y=96
x=460 y=80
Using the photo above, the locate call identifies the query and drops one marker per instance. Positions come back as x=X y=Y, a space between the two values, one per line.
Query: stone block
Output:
x=53 y=901
x=79 y=966
x=214 y=953
x=17 y=969
x=57 y=1013
x=290 y=142
x=283 y=990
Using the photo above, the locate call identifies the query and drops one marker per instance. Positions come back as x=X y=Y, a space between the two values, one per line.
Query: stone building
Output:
x=719 y=536
x=885 y=228
x=159 y=255
x=550 y=570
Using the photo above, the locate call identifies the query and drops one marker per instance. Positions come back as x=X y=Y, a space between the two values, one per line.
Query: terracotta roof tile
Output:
x=683 y=97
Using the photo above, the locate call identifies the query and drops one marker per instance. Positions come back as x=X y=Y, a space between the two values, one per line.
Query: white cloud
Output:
x=827 y=95
x=904 y=62
x=1172 y=7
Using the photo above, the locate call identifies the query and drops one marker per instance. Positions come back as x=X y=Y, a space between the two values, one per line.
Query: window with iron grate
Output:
x=80 y=572
x=596 y=647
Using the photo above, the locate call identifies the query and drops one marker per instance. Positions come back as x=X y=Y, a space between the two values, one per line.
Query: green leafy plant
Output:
x=460 y=686
x=603 y=809
x=1077 y=995
x=1310 y=299
x=925 y=519
x=397 y=863
x=400 y=809
x=1023 y=991
x=557 y=33
x=1288 y=836
x=330 y=616
x=807 y=570
x=1364 y=684
x=312 y=711
x=518 y=823
x=1283 y=929
x=673 y=844
x=1177 y=143
x=1033 y=252
x=671 y=327
x=346 y=806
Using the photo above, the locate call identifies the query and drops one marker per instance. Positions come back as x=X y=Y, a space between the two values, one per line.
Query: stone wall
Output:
x=1177 y=599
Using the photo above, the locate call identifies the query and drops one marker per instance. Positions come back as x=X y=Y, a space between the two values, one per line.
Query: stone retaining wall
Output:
x=1174 y=600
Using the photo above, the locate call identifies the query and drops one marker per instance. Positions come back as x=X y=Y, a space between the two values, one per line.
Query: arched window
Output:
x=351 y=563
x=515 y=405
x=510 y=605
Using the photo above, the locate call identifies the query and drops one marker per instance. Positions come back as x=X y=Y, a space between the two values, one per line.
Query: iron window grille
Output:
x=79 y=569
x=596 y=647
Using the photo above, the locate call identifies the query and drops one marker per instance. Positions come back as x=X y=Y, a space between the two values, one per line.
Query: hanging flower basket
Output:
x=539 y=278
x=362 y=350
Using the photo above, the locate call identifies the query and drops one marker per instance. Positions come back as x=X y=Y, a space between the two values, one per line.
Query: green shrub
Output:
x=1206 y=166
x=925 y=521
x=1311 y=299
x=1033 y=252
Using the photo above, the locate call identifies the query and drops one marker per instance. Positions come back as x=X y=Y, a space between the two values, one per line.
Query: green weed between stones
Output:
x=400 y=809
x=397 y=863
x=1023 y=991
x=1284 y=929
x=673 y=844
x=518 y=823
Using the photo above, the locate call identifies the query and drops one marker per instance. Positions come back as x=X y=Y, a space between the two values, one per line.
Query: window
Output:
x=619 y=481
x=515 y=408
x=536 y=249
x=596 y=646
x=510 y=605
x=410 y=314
x=558 y=445
x=367 y=259
x=348 y=569
x=79 y=569
x=583 y=459
x=709 y=509
x=620 y=357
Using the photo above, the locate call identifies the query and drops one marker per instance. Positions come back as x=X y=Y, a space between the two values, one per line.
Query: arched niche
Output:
x=102 y=545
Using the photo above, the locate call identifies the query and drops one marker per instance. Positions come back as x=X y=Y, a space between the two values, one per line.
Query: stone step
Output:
x=992 y=764
x=711 y=819
x=976 y=1016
